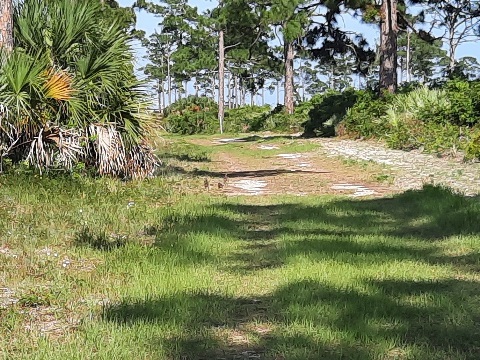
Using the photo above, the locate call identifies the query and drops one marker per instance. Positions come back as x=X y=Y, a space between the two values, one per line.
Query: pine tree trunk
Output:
x=289 y=97
x=169 y=82
x=331 y=82
x=235 y=89
x=213 y=81
x=6 y=25
x=159 y=94
x=229 y=89
x=278 y=92
x=388 y=46
x=164 y=99
x=221 y=80
x=452 y=48
x=409 y=77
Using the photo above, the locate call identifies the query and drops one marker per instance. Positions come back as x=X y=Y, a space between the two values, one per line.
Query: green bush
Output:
x=192 y=115
x=422 y=104
x=281 y=121
x=417 y=120
x=246 y=118
x=432 y=137
x=464 y=98
x=472 y=144
x=364 y=118
x=261 y=118
x=327 y=111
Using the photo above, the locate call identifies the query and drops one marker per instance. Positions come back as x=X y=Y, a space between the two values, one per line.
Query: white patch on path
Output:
x=290 y=156
x=268 y=147
x=360 y=190
x=252 y=187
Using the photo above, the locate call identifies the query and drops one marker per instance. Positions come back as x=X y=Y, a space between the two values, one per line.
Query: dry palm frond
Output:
x=56 y=147
x=58 y=85
x=112 y=157
x=68 y=145
x=141 y=162
x=109 y=149
x=40 y=155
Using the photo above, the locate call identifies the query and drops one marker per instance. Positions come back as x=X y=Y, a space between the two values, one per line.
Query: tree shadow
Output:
x=414 y=223
x=99 y=241
x=346 y=323
x=374 y=317
x=407 y=227
x=186 y=157
x=255 y=173
x=238 y=174
x=258 y=138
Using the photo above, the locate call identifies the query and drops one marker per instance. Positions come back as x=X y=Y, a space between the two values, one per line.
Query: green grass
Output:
x=181 y=150
x=284 y=145
x=145 y=270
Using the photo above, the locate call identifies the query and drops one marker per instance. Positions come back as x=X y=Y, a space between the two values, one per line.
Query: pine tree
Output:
x=6 y=25
x=460 y=19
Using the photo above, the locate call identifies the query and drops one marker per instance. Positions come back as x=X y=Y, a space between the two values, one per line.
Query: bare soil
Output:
x=269 y=172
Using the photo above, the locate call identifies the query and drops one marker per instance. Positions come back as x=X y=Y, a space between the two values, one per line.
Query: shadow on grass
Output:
x=346 y=324
x=255 y=173
x=311 y=319
x=99 y=241
x=238 y=174
x=257 y=138
x=186 y=157
x=408 y=226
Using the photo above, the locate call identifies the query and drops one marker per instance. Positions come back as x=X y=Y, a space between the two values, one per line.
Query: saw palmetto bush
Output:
x=68 y=93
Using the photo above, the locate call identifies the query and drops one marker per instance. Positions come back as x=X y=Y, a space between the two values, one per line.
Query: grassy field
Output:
x=160 y=269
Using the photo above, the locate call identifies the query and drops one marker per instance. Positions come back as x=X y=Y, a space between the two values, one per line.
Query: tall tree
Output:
x=221 y=73
x=388 y=45
x=459 y=18
x=242 y=41
x=6 y=25
x=313 y=25
x=418 y=58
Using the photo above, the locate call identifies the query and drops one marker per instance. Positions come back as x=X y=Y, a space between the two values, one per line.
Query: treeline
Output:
x=247 y=47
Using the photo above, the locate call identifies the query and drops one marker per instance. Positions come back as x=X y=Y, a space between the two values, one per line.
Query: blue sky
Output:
x=149 y=24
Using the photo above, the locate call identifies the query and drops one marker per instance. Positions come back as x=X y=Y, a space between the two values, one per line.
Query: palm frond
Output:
x=58 y=85
x=79 y=99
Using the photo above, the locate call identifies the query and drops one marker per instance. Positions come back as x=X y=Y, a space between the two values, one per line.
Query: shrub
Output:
x=422 y=104
x=327 y=111
x=364 y=118
x=261 y=118
x=472 y=144
x=246 y=118
x=464 y=98
x=192 y=115
x=412 y=134
x=416 y=120
x=281 y=121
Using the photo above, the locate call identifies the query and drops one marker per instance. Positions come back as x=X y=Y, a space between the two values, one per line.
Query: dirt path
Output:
x=294 y=167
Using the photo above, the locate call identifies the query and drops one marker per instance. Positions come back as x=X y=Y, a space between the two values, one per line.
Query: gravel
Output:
x=412 y=169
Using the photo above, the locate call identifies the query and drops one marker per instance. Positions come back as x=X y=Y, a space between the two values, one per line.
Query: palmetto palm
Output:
x=68 y=91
